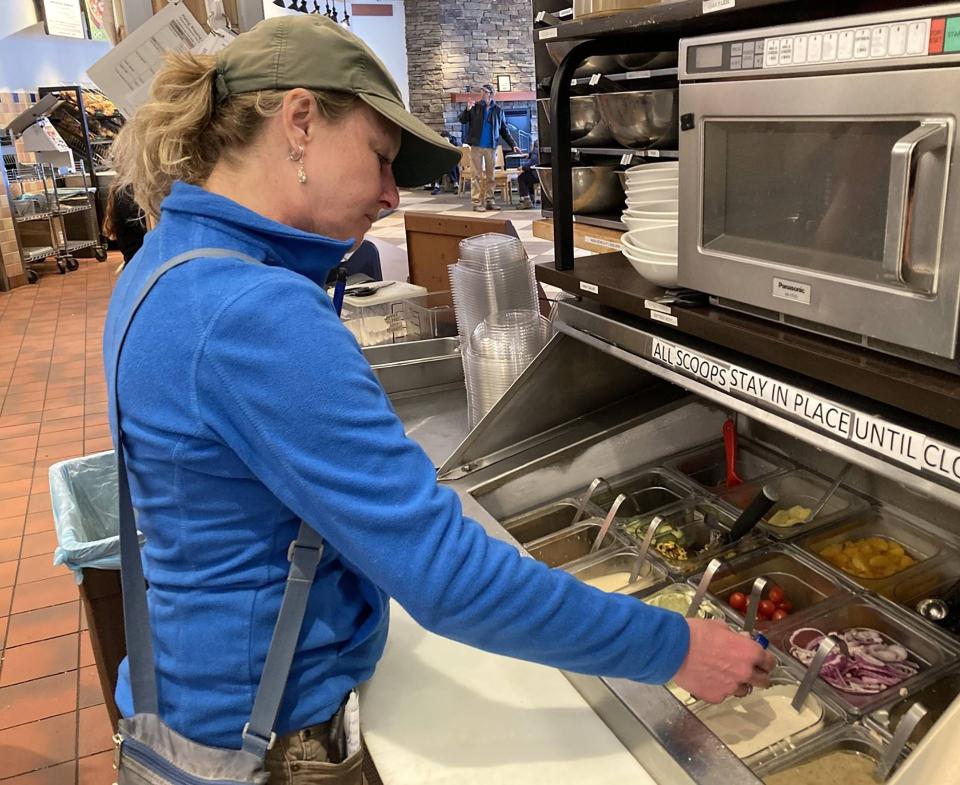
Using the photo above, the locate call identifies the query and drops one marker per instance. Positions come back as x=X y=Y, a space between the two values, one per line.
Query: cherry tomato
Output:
x=776 y=595
x=738 y=601
x=779 y=614
x=786 y=605
x=766 y=609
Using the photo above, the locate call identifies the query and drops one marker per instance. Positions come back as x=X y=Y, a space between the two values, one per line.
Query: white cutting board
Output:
x=437 y=711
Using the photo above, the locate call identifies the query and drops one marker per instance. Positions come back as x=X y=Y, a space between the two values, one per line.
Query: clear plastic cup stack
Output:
x=500 y=349
x=492 y=275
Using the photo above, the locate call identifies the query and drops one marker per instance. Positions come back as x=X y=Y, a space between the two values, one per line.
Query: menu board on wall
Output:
x=64 y=17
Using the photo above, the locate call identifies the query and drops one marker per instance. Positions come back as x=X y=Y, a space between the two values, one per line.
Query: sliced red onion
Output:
x=875 y=664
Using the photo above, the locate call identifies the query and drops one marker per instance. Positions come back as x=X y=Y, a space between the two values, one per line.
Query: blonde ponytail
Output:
x=182 y=132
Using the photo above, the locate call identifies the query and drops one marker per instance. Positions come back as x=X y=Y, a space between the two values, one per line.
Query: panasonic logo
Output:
x=792 y=290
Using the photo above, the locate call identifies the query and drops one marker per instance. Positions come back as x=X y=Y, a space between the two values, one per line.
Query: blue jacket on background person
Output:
x=496 y=121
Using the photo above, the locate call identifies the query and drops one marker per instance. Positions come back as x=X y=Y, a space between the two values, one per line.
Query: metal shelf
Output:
x=619 y=152
x=21 y=219
x=77 y=245
x=591 y=220
x=627 y=76
x=36 y=253
x=692 y=17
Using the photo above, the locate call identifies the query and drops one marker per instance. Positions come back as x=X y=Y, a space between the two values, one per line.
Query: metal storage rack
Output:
x=55 y=203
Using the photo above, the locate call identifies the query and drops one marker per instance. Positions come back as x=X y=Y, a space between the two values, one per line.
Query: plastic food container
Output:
x=610 y=571
x=646 y=491
x=803 y=584
x=846 y=754
x=371 y=318
x=928 y=649
x=698 y=527
x=933 y=579
x=545 y=521
x=802 y=489
x=883 y=525
x=935 y=698
x=573 y=543
x=706 y=465
x=677 y=597
x=763 y=726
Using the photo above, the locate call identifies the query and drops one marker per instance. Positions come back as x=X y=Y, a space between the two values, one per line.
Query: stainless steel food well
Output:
x=800 y=488
x=596 y=189
x=587 y=128
x=643 y=118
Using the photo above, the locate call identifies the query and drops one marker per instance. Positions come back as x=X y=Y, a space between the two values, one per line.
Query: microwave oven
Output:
x=818 y=180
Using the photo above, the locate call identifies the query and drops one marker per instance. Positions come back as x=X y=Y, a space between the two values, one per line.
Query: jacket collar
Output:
x=311 y=255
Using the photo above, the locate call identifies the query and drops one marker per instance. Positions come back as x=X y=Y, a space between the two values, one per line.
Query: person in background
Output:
x=527 y=178
x=453 y=174
x=125 y=222
x=245 y=406
x=487 y=126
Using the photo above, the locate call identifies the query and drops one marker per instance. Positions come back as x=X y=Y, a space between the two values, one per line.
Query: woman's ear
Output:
x=299 y=117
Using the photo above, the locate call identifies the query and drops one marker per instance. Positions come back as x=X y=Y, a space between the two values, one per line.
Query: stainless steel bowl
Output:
x=641 y=119
x=647 y=61
x=598 y=64
x=596 y=189
x=587 y=128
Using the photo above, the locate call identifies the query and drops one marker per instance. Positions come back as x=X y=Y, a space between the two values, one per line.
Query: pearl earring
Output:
x=298 y=157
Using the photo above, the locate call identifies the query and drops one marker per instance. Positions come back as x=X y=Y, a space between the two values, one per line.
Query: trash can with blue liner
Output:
x=84 y=496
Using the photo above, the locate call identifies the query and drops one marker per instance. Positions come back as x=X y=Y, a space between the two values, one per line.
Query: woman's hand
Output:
x=721 y=663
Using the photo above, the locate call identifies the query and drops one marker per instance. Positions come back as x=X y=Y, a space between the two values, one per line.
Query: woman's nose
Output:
x=390 y=196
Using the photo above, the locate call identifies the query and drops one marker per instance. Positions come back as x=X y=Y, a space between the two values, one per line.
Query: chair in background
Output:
x=503 y=178
x=466 y=170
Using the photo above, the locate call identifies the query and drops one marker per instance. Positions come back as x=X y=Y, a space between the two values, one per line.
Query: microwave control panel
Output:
x=867 y=46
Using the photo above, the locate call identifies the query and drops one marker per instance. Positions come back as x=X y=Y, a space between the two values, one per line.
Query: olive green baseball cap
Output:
x=314 y=52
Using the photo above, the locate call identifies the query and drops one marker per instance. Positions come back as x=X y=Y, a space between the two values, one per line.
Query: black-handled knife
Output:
x=754 y=512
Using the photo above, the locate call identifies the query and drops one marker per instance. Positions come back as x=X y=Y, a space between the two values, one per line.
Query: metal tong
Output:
x=605 y=527
x=908 y=722
x=753 y=604
x=585 y=498
x=640 y=563
x=826 y=647
x=705 y=581
x=826 y=497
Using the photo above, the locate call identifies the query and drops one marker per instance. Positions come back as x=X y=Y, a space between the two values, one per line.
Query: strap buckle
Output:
x=260 y=741
x=297 y=544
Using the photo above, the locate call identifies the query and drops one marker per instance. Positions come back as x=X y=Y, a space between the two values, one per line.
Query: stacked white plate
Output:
x=651 y=217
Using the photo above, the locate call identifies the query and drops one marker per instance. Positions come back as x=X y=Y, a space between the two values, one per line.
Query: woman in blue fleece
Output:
x=248 y=406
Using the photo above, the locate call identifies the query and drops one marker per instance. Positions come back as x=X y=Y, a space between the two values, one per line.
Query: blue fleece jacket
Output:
x=246 y=406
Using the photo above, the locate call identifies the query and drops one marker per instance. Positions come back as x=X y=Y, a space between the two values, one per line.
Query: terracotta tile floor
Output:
x=54 y=728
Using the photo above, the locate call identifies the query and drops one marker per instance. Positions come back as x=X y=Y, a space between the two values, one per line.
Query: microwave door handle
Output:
x=926 y=137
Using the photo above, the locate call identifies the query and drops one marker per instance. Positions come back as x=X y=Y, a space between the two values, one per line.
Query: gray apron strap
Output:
x=305 y=553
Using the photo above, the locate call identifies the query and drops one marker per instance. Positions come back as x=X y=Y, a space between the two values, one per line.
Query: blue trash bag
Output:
x=85 y=509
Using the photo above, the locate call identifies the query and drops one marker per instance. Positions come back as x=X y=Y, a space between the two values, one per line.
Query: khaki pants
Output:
x=303 y=758
x=481 y=184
